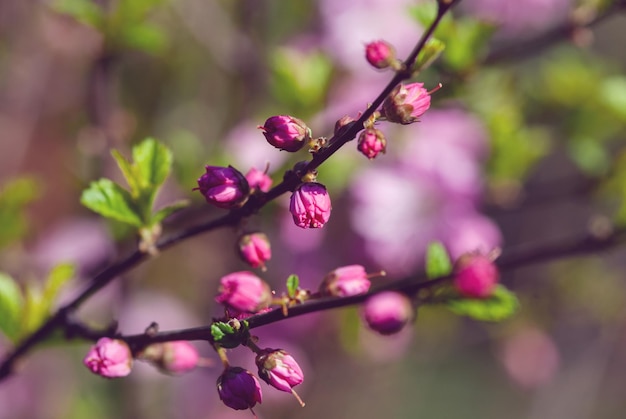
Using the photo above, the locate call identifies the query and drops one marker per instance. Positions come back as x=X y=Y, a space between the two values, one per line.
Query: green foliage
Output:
x=432 y=50
x=501 y=305
x=11 y=303
x=14 y=196
x=228 y=336
x=152 y=162
x=85 y=11
x=438 y=262
x=293 y=282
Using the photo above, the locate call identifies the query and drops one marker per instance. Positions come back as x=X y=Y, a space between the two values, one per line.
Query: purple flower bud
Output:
x=406 y=103
x=224 y=187
x=286 y=132
x=258 y=180
x=310 y=205
x=244 y=291
x=109 y=358
x=239 y=389
x=175 y=357
x=379 y=54
x=371 y=142
x=387 y=312
x=254 y=249
x=346 y=281
x=278 y=369
x=476 y=276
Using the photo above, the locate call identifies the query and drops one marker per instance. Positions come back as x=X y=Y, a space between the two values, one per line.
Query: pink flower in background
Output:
x=109 y=358
x=175 y=357
x=346 y=281
x=244 y=291
x=255 y=249
x=239 y=389
x=279 y=369
x=286 y=132
x=310 y=205
x=258 y=180
x=388 y=312
x=476 y=276
x=224 y=187
x=246 y=149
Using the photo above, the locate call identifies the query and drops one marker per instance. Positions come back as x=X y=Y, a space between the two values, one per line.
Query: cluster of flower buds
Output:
x=476 y=275
x=112 y=358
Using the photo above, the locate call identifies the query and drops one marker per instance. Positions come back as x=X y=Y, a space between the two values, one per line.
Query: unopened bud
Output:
x=380 y=54
x=254 y=249
x=476 y=276
x=388 y=312
x=224 y=187
x=371 y=142
x=286 y=132
x=244 y=291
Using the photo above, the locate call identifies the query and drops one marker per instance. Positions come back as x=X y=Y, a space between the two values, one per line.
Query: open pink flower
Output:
x=310 y=205
x=406 y=103
x=109 y=358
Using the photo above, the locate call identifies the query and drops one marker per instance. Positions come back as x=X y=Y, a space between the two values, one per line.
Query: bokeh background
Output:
x=522 y=147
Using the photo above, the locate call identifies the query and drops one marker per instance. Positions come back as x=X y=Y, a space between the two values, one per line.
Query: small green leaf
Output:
x=154 y=162
x=227 y=336
x=58 y=276
x=431 y=51
x=129 y=171
x=15 y=194
x=84 y=11
x=293 y=282
x=216 y=332
x=501 y=305
x=11 y=303
x=35 y=309
x=144 y=37
x=111 y=201
x=168 y=210
x=438 y=262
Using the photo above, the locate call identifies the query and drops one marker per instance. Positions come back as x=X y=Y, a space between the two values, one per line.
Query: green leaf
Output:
x=228 y=336
x=501 y=305
x=14 y=196
x=35 y=309
x=144 y=37
x=438 y=262
x=11 y=303
x=58 y=276
x=111 y=201
x=293 y=282
x=154 y=162
x=168 y=210
x=432 y=50
x=85 y=11
x=129 y=171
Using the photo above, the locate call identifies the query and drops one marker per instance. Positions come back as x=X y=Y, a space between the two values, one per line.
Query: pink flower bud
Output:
x=258 y=180
x=346 y=281
x=310 y=205
x=224 y=187
x=387 y=312
x=476 y=276
x=371 y=142
x=175 y=357
x=239 y=389
x=244 y=291
x=379 y=54
x=286 y=132
x=109 y=358
x=255 y=249
x=406 y=103
x=278 y=369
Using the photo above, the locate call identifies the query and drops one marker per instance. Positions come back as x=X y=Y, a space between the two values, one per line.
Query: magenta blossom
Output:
x=380 y=54
x=239 y=389
x=286 y=132
x=175 y=357
x=476 y=276
x=406 y=103
x=372 y=142
x=278 y=369
x=255 y=249
x=258 y=180
x=109 y=358
x=244 y=291
x=310 y=205
x=346 y=281
x=224 y=187
x=388 y=312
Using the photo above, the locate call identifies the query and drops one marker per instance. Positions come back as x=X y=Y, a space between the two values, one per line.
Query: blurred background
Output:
x=524 y=146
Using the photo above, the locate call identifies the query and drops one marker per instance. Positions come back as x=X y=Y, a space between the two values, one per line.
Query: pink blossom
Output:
x=388 y=312
x=406 y=103
x=286 y=132
x=175 y=357
x=239 y=389
x=244 y=291
x=258 y=180
x=109 y=358
x=224 y=187
x=372 y=142
x=310 y=205
x=379 y=54
x=255 y=249
x=346 y=281
x=278 y=369
x=476 y=276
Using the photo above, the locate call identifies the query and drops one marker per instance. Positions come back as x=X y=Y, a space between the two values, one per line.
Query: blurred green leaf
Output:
x=438 y=262
x=11 y=303
x=35 y=309
x=590 y=155
x=432 y=50
x=14 y=196
x=84 y=11
x=501 y=305
x=135 y=10
x=613 y=94
x=111 y=201
x=293 y=282
x=57 y=278
x=145 y=37
x=168 y=210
